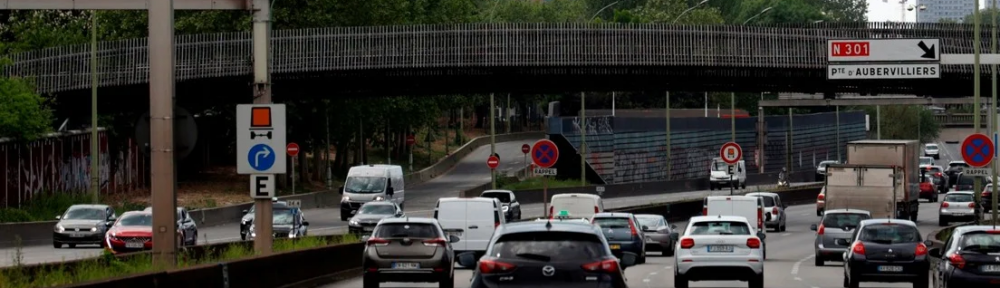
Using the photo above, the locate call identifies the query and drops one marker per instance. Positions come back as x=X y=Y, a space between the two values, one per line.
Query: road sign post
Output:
x=544 y=154
x=526 y=149
x=293 y=150
x=493 y=162
x=978 y=151
x=260 y=130
x=731 y=153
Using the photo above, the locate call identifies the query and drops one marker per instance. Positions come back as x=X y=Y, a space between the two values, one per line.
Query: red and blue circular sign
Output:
x=544 y=153
x=977 y=150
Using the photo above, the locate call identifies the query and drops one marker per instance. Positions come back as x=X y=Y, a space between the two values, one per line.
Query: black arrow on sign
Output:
x=928 y=52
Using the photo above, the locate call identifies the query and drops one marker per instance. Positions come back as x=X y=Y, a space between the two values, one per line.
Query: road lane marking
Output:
x=795 y=268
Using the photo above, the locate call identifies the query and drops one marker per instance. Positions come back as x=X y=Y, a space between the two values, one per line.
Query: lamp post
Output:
x=602 y=10
x=688 y=10
x=765 y=10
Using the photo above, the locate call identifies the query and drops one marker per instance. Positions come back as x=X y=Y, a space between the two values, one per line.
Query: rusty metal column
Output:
x=262 y=95
x=161 y=119
x=667 y=108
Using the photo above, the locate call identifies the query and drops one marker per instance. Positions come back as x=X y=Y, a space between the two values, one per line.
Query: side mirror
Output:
x=245 y=211
x=674 y=236
x=934 y=252
x=399 y=214
x=340 y=190
x=305 y=223
x=110 y=223
x=645 y=228
x=673 y=227
x=58 y=217
x=453 y=239
x=761 y=235
x=467 y=259
x=813 y=227
x=628 y=259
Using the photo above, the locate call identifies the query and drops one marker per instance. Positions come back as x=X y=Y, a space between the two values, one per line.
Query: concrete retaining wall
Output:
x=448 y=162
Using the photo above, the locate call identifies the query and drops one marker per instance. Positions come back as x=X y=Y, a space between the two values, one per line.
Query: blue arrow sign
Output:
x=261 y=157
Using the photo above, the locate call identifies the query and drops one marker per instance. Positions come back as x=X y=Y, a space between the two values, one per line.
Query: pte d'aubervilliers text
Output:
x=896 y=71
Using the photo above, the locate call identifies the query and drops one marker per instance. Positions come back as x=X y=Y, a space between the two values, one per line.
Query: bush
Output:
x=48 y=205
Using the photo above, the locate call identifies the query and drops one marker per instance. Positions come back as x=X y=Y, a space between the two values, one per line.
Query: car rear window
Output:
x=768 y=201
x=932 y=146
x=612 y=222
x=889 y=234
x=720 y=228
x=141 y=219
x=969 y=180
x=502 y=196
x=981 y=241
x=406 y=230
x=841 y=220
x=958 y=198
x=549 y=246
x=651 y=222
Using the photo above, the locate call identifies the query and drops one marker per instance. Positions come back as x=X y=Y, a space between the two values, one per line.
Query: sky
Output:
x=879 y=11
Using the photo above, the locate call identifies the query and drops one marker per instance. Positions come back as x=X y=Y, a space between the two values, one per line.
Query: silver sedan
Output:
x=657 y=232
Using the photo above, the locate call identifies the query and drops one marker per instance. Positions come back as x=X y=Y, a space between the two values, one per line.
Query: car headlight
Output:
x=291 y=234
x=93 y=229
x=60 y=228
x=379 y=198
x=345 y=199
x=353 y=223
x=505 y=208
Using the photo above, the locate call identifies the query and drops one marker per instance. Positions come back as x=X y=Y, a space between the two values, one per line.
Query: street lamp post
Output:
x=688 y=10
x=602 y=10
x=765 y=10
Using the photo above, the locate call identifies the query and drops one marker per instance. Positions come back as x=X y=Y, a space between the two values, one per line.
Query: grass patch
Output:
x=108 y=266
x=47 y=206
x=537 y=183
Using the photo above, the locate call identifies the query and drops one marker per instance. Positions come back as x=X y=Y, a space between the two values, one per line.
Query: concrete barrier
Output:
x=448 y=162
x=533 y=196
x=30 y=233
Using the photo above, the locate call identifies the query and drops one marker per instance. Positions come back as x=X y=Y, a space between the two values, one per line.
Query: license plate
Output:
x=405 y=265
x=720 y=248
x=991 y=268
x=76 y=235
x=133 y=245
x=886 y=268
x=369 y=229
x=615 y=246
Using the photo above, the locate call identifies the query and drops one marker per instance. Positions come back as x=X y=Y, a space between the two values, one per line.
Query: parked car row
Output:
x=98 y=224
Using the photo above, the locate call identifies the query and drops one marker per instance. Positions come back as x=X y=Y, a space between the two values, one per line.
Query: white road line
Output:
x=784 y=234
x=795 y=268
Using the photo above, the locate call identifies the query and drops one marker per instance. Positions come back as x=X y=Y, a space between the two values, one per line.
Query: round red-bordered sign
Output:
x=977 y=150
x=731 y=153
x=292 y=149
x=544 y=153
x=525 y=148
x=493 y=162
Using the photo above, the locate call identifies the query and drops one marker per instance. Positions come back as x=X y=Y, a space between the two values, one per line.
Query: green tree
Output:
x=984 y=16
x=842 y=10
x=23 y=113
x=898 y=122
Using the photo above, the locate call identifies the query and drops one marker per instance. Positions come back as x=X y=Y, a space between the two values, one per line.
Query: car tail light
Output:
x=820 y=197
x=821 y=230
x=957 y=261
x=774 y=211
x=609 y=266
x=760 y=217
x=704 y=211
x=859 y=248
x=632 y=227
x=753 y=243
x=993 y=232
x=944 y=204
x=436 y=242
x=552 y=212
x=985 y=194
x=972 y=205
x=687 y=243
x=378 y=241
x=496 y=224
x=938 y=174
x=493 y=266
x=921 y=249
x=597 y=210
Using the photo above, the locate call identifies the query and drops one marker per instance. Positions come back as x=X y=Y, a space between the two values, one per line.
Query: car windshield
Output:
x=889 y=233
x=407 y=230
x=926 y=160
x=719 y=166
x=720 y=228
x=84 y=213
x=502 y=196
x=932 y=147
x=958 y=198
x=651 y=222
x=379 y=209
x=142 y=219
x=843 y=220
x=981 y=241
x=823 y=164
x=608 y=222
x=958 y=164
x=549 y=247
x=364 y=184
x=283 y=217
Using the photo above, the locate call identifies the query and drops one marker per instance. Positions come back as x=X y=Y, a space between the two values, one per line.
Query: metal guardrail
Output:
x=352 y=49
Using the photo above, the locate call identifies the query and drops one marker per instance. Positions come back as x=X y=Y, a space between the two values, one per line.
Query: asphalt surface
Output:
x=420 y=199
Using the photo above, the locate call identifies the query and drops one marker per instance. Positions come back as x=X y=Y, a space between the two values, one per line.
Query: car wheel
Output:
x=369 y=281
x=854 y=282
x=818 y=261
x=642 y=259
x=448 y=282
x=194 y=240
x=56 y=245
x=680 y=281
x=757 y=281
x=668 y=251
x=744 y=185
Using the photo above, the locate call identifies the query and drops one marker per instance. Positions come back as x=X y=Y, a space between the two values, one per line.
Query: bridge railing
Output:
x=961 y=119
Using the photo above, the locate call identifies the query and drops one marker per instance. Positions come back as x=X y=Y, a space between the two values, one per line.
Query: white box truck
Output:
x=864 y=187
x=903 y=155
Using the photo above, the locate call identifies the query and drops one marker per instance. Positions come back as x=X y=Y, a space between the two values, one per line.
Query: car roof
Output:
x=151 y=209
x=382 y=202
x=135 y=212
x=771 y=194
x=931 y=144
x=959 y=192
x=97 y=206
x=972 y=228
x=848 y=211
x=886 y=221
x=613 y=214
x=543 y=226
x=584 y=195
x=649 y=215
x=420 y=220
x=498 y=191
x=471 y=199
x=717 y=218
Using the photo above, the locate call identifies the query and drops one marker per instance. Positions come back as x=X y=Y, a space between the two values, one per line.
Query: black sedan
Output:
x=973 y=261
x=186 y=225
x=83 y=224
x=887 y=250
x=248 y=216
x=548 y=254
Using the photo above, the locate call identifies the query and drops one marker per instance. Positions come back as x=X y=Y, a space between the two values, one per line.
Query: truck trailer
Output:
x=868 y=157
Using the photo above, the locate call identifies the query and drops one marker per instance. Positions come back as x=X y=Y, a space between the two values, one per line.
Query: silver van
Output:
x=371 y=183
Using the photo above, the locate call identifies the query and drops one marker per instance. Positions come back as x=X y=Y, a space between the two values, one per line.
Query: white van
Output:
x=748 y=207
x=579 y=205
x=719 y=174
x=371 y=183
x=473 y=220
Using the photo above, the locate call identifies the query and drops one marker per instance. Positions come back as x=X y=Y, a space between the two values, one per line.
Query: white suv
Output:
x=932 y=150
x=717 y=248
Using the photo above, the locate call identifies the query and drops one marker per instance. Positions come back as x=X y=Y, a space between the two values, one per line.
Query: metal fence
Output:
x=625 y=150
x=126 y=62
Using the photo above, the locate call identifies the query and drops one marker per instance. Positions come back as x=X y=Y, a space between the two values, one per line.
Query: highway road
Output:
x=468 y=173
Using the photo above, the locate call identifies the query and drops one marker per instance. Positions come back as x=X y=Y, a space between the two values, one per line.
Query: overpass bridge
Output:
x=958 y=120
x=472 y=58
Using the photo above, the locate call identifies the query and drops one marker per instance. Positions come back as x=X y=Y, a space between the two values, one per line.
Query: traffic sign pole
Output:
x=544 y=154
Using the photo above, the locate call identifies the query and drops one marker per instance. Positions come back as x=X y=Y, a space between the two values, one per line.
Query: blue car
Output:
x=623 y=233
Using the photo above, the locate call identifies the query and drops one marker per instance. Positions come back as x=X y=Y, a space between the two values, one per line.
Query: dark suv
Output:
x=623 y=232
x=887 y=250
x=548 y=254
x=409 y=250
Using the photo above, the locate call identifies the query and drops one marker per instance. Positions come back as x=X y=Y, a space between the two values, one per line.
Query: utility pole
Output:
x=878 y=122
x=95 y=151
x=667 y=136
x=507 y=113
x=837 y=146
x=583 y=139
x=790 y=141
x=329 y=170
x=263 y=221
x=977 y=184
x=732 y=115
x=493 y=139
x=993 y=114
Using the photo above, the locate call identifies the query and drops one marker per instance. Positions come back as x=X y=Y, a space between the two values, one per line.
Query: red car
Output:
x=132 y=232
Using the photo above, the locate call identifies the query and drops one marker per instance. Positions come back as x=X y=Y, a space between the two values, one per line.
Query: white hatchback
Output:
x=932 y=150
x=957 y=206
x=718 y=247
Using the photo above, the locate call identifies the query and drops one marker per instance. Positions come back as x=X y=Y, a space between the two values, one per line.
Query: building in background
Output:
x=935 y=10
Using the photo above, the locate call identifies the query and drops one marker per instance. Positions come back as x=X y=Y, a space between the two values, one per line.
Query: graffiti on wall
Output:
x=61 y=164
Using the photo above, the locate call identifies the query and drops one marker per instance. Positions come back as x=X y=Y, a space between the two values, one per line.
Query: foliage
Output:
x=539 y=183
x=24 y=114
x=46 y=206
x=898 y=122
x=984 y=17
